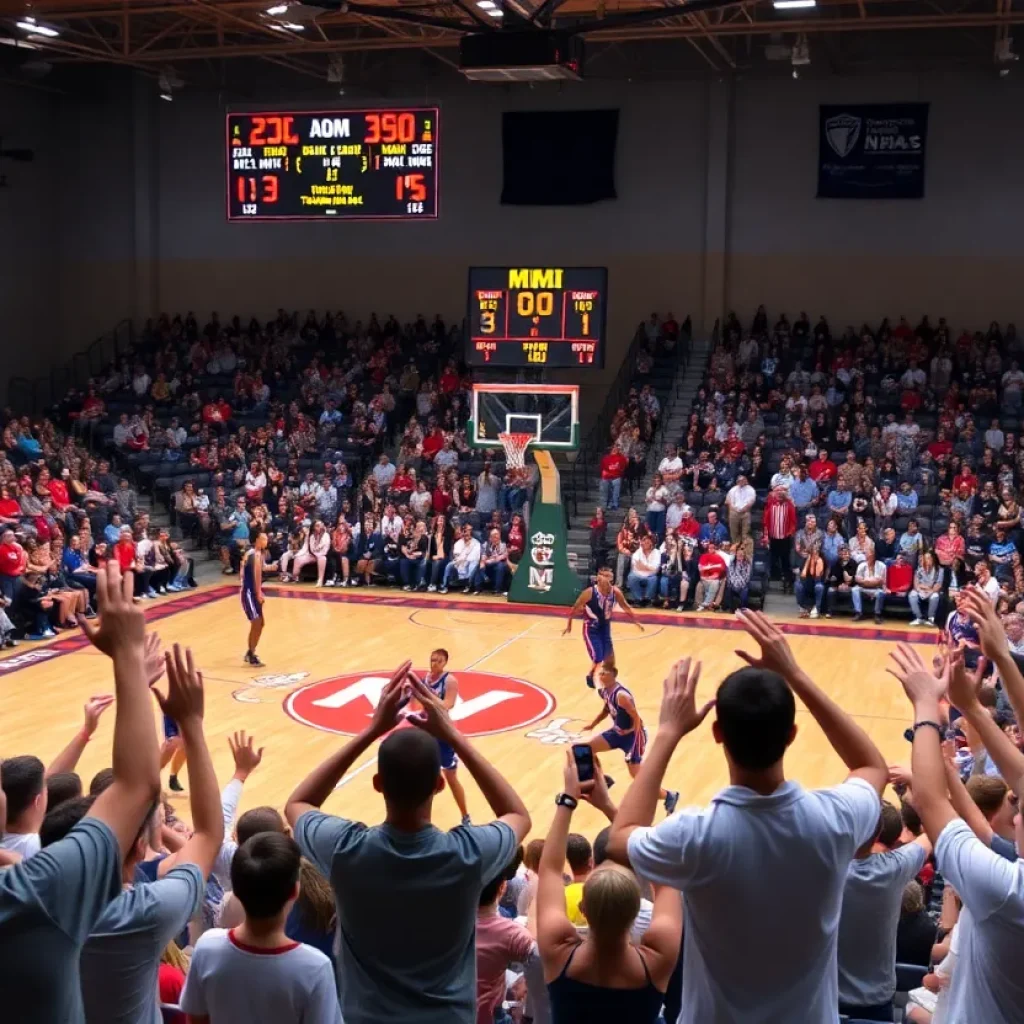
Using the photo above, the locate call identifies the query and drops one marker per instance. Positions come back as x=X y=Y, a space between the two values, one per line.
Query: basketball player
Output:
x=446 y=687
x=252 y=592
x=627 y=732
x=597 y=604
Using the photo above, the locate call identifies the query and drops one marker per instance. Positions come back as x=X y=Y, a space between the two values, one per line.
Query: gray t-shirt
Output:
x=872 y=897
x=121 y=959
x=48 y=906
x=407 y=905
x=988 y=983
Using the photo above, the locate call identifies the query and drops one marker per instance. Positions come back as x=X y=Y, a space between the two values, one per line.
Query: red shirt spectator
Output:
x=613 y=465
x=712 y=566
x=822 y=469
x=688 y=525
x=911 y=400
x=13 y=559
x=124 y=552
x=9 y=508
x=432 y=443
x=171 y=983
x=216 y=412
x=899 y=577
x=441 y=500
x=403 y=483
x=965 y=478
x=59 y=493
x=516 y=542
x=779 y=515
x=449 y=381
x=940 y=446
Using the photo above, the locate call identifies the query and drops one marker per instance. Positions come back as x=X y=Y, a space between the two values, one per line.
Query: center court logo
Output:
x=842 y=133
x=487 y=703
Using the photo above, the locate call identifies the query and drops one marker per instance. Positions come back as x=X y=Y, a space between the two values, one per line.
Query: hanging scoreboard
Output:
x=537 y=316
x=343 y=164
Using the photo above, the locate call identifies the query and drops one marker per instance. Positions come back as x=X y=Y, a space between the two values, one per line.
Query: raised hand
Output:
x=965 y=685
x=679 y=713
x=920 y=684
x=122 y=624
x=571 y=777
x=434 y=718
x=982 y=613
x=154 y=659
x=94 y=707
x=899 y=775
x=776 y=655
x=393 y=698
x=247 y=759
x=184 y=700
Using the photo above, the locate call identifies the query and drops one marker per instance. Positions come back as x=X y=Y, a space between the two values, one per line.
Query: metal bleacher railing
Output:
x=34 y=394
x=584 y=469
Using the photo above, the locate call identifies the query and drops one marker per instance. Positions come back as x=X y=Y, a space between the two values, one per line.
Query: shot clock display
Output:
x=346 y=164
x=537 y=316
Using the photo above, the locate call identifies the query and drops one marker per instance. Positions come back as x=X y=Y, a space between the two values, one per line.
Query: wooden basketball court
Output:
x=521 y=680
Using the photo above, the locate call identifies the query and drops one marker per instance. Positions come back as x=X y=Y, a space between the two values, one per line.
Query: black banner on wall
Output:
x=872 y=151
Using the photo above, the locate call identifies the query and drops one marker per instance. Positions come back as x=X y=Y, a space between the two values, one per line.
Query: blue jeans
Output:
x=495 y=573
x=411 y=571
x=808 y=590
x=432 y=572
x=610 y=491
x=656 y=523
x=856 y=596
x=915 y=604
x=392 y=567
x=513 y=498
x=642 y=588
x=668 y=588
x=735 y=599
x=451 y=575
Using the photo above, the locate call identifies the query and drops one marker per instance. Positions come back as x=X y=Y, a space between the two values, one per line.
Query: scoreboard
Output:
x=537 y=316
x=343 y=164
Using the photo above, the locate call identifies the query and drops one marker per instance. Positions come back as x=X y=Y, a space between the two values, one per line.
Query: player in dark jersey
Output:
x=252 y=592
x=627 y=732
x=597 y=604
x=446 y=687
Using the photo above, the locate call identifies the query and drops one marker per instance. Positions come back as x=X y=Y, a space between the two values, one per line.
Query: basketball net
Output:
x=515 y=446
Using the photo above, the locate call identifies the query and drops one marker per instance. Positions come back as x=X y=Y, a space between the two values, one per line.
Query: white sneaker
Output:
x=331 y=582
x=931 y=622
x=814 y=613
x=431 y=589
x=917 y=622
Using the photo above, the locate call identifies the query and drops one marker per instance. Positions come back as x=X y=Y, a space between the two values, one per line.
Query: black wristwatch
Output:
x=564 y=800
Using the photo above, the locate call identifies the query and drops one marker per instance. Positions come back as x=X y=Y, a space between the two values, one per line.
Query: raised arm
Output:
x=924 y=691
x=67 y=759
x=847 y=738
x=184 y=704
x=121 y=635
x=679 y=715
x=577 y=608
x=317 y=786
x=503 y=800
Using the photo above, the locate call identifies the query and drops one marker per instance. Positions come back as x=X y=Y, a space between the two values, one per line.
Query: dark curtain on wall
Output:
x=559 y=158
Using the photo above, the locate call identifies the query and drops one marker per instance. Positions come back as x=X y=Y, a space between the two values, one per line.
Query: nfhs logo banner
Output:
x=872 y=151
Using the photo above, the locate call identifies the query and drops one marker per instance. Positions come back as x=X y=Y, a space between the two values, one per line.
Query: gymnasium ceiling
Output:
x=202 y=40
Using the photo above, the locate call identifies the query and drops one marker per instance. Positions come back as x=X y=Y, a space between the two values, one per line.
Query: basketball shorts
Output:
x=449 y=759
x=598 y=640
x=170 y=728
x=252 y=608
x=632 y=744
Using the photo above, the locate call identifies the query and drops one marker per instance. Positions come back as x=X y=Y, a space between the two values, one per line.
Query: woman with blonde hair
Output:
x=601 y=978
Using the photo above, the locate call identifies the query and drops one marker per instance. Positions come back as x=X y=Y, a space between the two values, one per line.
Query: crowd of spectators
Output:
x=799 y=904
x=874 y=470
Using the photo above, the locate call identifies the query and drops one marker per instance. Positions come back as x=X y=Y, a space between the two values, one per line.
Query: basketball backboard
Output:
x=548 y=412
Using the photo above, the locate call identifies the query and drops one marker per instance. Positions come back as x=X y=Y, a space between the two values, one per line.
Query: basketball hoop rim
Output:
x=515 y=445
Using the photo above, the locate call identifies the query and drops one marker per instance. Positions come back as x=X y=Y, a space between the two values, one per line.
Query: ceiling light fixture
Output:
x=277 y=9
x=34 y=28
x=792 y=5
x=169 y=97
x=497 y=13
x=487 y=5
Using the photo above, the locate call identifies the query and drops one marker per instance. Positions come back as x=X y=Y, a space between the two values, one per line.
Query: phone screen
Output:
x=584 y=758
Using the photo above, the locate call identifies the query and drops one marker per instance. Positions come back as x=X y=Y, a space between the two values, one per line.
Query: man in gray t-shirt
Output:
x=872 y=897
x=407 y=893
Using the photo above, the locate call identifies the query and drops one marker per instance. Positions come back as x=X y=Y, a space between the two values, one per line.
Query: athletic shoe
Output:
x=917 y=622
x=431 y=589
x=931 y=622
x=161 y=590
x=39 y=636
x=174 y=785
x=407 y=588
x=333 y=581
x=443 y=590
x=815 y=613
x=465 y=820
x=671 y=801
x=11 y=642
x=858 y=618
x=679 y=608
x=590 y=680
x=878 y=620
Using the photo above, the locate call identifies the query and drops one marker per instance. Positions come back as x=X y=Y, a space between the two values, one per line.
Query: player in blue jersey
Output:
x=252 y=592
x=627 y=732
x=446 y=687
x=597 y=604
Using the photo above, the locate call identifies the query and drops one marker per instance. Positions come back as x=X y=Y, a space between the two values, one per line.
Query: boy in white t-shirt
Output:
x=255 y=973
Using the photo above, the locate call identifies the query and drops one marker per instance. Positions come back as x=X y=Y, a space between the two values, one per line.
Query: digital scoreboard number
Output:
x=343 y=164
x=537 y=316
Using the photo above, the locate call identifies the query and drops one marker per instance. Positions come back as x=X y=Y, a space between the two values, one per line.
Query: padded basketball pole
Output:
x=550 y=478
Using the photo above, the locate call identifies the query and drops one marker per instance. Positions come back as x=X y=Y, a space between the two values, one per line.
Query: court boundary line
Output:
x=39 y=653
